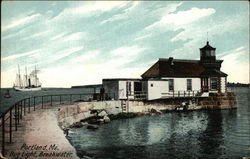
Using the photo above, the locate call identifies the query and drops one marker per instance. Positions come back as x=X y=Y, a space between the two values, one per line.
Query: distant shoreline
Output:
x=92 y=86
x=237 y=85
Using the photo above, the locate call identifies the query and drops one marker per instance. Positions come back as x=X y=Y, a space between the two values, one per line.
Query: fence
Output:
x=10 y=119
x=182 y=94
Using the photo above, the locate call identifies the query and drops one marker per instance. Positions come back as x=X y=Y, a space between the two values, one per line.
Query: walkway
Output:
x=39 y=136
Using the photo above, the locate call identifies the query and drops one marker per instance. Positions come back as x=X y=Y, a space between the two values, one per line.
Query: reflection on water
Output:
x=211 y=139
x=196 y=134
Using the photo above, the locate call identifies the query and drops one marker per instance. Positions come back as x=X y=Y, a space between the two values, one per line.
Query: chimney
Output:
x=171 y=60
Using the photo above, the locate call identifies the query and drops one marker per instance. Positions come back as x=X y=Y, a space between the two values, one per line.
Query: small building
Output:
x=173 y=78
x=123 y=88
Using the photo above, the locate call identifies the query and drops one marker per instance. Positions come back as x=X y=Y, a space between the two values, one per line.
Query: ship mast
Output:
x=35 y=76
x=26 y=77
x=19 y=76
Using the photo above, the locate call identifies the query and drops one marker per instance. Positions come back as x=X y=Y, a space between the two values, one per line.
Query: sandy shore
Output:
x=40 y=137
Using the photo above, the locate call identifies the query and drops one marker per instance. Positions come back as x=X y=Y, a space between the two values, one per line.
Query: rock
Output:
x=84 y=123
x=92 y=126
x=154 y=111
x=102 y=113
x=93 y=111
x=100 y=120
x=106 y=119
x=77 y=125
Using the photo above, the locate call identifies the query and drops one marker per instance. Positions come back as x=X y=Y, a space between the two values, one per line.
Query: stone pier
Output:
x=39 y=137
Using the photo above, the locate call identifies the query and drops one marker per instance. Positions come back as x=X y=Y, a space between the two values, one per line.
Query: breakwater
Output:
x=82 y=110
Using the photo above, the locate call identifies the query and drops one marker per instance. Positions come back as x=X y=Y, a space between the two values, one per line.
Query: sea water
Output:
x=195 y=134
x=16 y=96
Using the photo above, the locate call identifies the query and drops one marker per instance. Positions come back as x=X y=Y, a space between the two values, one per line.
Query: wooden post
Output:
x=193 y=93
x=29 y=105
x=51 y=100
x=24 y=106
x=184 y=93
x=3 y=134
x=42 y=102
x=34 y=103
x=16 y=117
x=18 y=114
x=178 y=93
x=21 y=104
x=10 y=125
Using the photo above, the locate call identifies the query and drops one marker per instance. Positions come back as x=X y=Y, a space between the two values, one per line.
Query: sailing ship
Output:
x=28 y=82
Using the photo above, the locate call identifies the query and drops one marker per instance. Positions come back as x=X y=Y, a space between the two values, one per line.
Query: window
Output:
x=208 y=53
x=189 y=84
x=212 y=53
x=128 y=88
x=171 y=84
x=151 y=85
x=213 y=83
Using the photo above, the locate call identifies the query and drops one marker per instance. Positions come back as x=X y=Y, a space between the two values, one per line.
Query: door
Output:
x=204 y=84
x=137 y=89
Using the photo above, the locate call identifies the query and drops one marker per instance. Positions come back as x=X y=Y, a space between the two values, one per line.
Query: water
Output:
x=196 y=134
x=5 y=103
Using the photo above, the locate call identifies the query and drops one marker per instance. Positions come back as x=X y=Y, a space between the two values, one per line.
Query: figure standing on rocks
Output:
x=102 y=92
x=66 y=132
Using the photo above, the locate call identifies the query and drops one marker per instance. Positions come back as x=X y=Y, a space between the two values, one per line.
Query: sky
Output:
x=82 y=42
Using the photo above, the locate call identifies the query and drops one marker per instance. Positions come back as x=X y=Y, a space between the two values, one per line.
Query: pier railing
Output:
x=10 y=119
x=183 y=93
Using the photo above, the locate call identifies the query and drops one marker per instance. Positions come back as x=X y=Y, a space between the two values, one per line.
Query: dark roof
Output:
x=121 y=79
x=213 y=73
x=207 y=47
x=179 y=68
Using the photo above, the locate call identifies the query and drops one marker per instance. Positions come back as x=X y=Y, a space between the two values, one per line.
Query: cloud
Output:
x=237 y=70
x=172 y=7
x=14 y=34
x=57 y=36
x=143 y=37
x=36 y=35
x=66 y=53
x=181 y=18
x=74 y=36
x=238 y=50
x=23 y=21
x=88 y=9
x=126 y=13
x=123 y=55
x=87 y=56
x=19 y=55
x=195 y=35
x=153 y=28
x=127 y=51
x=102 y=6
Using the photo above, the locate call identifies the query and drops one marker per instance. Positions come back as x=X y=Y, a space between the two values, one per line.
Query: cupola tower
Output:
x=207 y=53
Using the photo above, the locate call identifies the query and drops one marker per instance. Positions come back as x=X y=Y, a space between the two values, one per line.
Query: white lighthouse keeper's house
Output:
x=170 y=77
x=181 y=78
